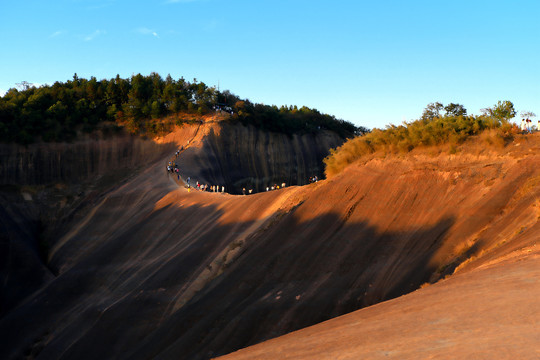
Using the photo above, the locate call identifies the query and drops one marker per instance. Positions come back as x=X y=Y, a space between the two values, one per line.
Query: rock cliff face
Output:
x=41 y=186
x=233 y=156
x=44 y=186
x=41 y=164
x=239 y=157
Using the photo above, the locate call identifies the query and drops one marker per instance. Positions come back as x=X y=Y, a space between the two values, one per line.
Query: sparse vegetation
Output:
x=494 y=138
x=431 y=129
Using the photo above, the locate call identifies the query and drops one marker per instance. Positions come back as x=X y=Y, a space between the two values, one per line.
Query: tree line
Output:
x=59 y=112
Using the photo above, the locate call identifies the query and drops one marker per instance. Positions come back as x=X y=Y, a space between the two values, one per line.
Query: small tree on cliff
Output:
x=432 y=110
x=455 y=110
x=502 y=111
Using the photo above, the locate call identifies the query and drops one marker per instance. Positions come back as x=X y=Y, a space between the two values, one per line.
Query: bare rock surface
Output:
x=240 y=157
x=155 y=270
x=488 y=313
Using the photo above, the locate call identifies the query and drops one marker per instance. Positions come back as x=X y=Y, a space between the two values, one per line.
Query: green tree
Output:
x=157 y=85
x=58 y=111
x=169 y=93
x=455 y=110
x=92 y=89
x=502 y=111
x=156 y=109
x=432 y=110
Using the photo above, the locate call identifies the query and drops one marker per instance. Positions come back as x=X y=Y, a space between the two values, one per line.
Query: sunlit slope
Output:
x=155 y=271
x=487 y=313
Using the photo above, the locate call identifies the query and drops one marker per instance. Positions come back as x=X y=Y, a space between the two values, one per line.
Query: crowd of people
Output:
x=172 y=167
x=527 y=125
x=205 y=187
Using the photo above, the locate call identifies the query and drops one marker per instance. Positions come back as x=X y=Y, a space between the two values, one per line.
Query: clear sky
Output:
x=369 y=62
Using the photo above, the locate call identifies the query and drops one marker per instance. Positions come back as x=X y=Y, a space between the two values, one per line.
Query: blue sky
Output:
x=369 y=62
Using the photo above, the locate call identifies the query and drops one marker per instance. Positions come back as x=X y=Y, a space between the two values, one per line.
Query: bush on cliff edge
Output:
x=427 y=131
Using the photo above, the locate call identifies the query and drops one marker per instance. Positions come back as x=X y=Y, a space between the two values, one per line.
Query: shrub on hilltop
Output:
x=432 y=128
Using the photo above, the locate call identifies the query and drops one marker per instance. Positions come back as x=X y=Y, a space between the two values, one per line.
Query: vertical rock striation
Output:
x=45 y=163
x=237 y=156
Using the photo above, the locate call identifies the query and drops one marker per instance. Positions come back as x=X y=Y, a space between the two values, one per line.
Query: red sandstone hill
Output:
x=154 y=271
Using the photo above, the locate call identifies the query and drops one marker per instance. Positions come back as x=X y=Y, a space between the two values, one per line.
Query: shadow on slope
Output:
x=281 y=284
x=22 y=270
x=118 y=298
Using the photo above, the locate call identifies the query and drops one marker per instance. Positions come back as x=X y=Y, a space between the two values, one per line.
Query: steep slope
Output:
x=377 y=232
x=45 y=185
x=155 y=271
x=487 y=313
x=45 y=163
x=21 y=262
